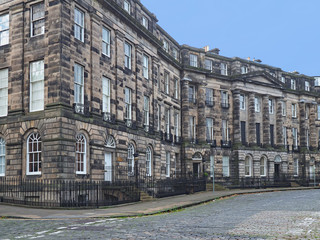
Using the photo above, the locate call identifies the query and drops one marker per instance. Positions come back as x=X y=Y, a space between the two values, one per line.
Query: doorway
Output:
x=196 y=169
x=108 y=167
x=276 y=171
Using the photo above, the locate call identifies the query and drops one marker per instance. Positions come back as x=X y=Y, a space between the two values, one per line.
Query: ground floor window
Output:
x=225 y=166
x=148 y=161
x=296 y=167
x=131 y=152
x=168 y=164
x=81 y=154
x=2 y=157
x=263 y=166
x=248 y=166
x=34 y=154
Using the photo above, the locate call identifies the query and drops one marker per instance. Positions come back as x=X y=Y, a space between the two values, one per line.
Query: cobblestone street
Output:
x=277 y=215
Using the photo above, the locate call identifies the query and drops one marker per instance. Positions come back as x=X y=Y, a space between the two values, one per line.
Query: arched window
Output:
x=248 y=166
x=263 y=166
x=2 y=157
x=148 y=161
x=34 y=154
x=131 y=158
x=81 y=150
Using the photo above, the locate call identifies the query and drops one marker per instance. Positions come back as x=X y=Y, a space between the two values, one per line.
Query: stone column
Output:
x=236 y=117
x=201 y=130
x=252 y=120
x=303 y=124
x=265 y=120
x=119 y=75
x=279 y=122
x=312 y=125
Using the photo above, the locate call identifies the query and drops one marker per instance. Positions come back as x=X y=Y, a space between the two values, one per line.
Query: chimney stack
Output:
x=206 y=48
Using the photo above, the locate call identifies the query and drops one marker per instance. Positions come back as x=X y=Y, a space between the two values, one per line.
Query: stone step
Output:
x=145 y=197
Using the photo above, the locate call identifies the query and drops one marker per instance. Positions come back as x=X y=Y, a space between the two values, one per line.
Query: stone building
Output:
x=87 y=85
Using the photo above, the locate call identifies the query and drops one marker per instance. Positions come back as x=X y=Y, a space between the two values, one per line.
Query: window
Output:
x=318 y=108
x=208 y=64
x=317 y=81
x=258 y=136
x=34 y=154
x=295 y=138
x=78 y=84
x=176 y=88
x=209 y=96
x=127 y=55
x=193 y=60
x=146 y=110
x=293 y=84
x=168 y=164
x=212 y=166
x=307 y=111
x=159 y=117
x=3 y=92
x=294 y=110
x=243 y=132
x=37 y=19
x=105 y=95
x=148 y=161
x=283 y=108
x=4 y=29
x=224 y=99
x=79 y=24
x=296 y=167
x=145 y=22
x=271 y=106
x=209 y=130
x=126 y=6
x=283 y=79
x=2 y=157
x=192 y=94
x=307 y=86
x=106 y=42
x=192 y=127
x=176 y=124
x=272 y=135
x=248 y=166
x=131 y=152
x=284 y=133
x=37 y=86
x=128 y=106
x=224 y=69
x=225 y=131
x=145 y=67
x=166 y=82
x=257 y=104
x=225 y=166
x=81 y=151
x=244 y=70
x=166 y=45
x=242 y=102
x=175 y=53
x=168 y=121
x=263 y=166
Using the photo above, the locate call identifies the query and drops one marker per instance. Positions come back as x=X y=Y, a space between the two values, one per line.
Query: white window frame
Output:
x=263 y=166
x=176 y=124
x=81 y=154
x=4 y=80
x=211 y=166
x=175 y=53
x=225 y=131
x=106 y=41
x=242 y=102
x=193 y=60
x=37 y=86
x=127 y=6
x=146 y=110
x=284 y=133
x=145 y=68
x=106 y=95
x=209 y=129
x=4 y=33
x=248 y=162
x=40 y=19
x=127 y=55
x=35 y=139
x=166 y=82
x=244 y=69
x=2 y=157
x=208 y=64
x=257 y=104
x=307 y=111
x=296 y=167
x=168 y=164
x=294 y=110
x=145 y=22
x=192 y=94
x=271 y=106
x=283 y=79
x=130 y=158
x=284 y=108
x=225 y=166
x=295 y=137
x=149 y=161
x=176 y=88
x=128 y=103
x=166 y=45
x=192 y=127
x=224 y=98
x=307 y=86
x=168 y=121
x=224 y=69
x=78 y=83
x=293 y=84
x=79 y=24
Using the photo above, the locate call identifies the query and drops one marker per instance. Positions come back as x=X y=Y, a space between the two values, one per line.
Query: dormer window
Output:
x=224 y=69
x=127 y=6
x=307 y=86
x=208 y=64
x=283 y=79
x=145 y=22
x=293 y=84
x=244 y=70
x=193 y=60
x=175 y=53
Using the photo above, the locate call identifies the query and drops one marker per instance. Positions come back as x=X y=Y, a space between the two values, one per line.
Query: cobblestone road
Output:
x=277 y=215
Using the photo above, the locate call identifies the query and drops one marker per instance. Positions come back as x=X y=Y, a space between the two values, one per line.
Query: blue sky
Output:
x=282 y=33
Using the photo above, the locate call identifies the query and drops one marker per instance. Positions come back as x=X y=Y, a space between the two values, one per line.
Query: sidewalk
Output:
x=130 y=210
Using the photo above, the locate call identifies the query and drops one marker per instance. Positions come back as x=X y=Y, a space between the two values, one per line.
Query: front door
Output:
x=196 y=169
x=276 y=172
x=108 y=167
